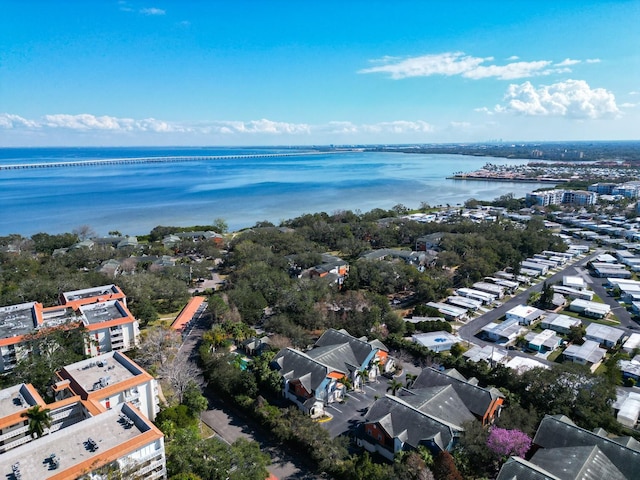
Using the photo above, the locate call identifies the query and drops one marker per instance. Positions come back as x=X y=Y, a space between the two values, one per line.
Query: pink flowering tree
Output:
x=505 y=443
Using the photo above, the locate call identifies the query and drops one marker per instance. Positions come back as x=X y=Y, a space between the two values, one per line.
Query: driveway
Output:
x=229 y=425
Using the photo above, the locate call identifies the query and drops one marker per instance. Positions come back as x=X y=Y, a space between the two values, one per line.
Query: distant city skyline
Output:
x=110 y=73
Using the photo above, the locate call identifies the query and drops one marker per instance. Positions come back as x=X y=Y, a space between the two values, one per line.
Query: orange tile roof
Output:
x=187 y=313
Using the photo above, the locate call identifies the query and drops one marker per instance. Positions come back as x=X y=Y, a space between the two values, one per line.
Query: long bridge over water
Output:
x=170 y=159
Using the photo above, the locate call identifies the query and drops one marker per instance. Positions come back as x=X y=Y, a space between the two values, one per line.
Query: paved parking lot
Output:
x=347 y=415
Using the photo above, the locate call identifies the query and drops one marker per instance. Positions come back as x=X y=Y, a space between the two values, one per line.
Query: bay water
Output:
x=133 y=198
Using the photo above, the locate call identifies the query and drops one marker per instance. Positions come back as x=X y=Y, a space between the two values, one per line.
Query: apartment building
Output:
x=100 y=425
x=102 y=311
x=111 y=380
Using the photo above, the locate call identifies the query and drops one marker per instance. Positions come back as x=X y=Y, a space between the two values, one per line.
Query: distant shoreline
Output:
x=490 y=178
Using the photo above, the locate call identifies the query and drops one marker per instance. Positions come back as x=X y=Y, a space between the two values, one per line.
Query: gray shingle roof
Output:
x=401 y=420
x=339 y=356
x=577 y=463
x=439 y=402
x=361 y=348
x=517 y=468
x=477 y=399
x=293 y=364
x=558 y=431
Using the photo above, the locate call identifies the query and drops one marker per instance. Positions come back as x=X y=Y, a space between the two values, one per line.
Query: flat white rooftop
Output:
x=70 y=447
x=15 y=399
x=96 y=373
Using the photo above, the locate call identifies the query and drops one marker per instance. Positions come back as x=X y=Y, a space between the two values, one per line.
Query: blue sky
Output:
x=303 y=73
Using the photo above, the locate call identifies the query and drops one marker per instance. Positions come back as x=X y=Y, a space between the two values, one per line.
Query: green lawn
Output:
x=553 y=356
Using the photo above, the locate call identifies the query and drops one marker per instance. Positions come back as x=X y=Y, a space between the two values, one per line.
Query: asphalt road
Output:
x=230 y=425
x=578 y=268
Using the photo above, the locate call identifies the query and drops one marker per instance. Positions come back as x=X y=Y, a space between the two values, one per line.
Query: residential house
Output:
x=632 y=343
x=429 y=242
x=524 y=314
x=488 y=353
x=560 y=323
x=450 y=312
x=570 y=463
x=627 y=407
x=504 y=333
x=573 y=293
x=604 y=334
x=524 y=364
x=464 y=302
x=430 y=417
x=545 y=341
x=484 y=403
x=573 y=281
x=199 y=236
x=334 y=269
x=589 y=309
x=491 y=288
x=630 y=368
x=471 y=293
x=342 y=350
x=589 y=353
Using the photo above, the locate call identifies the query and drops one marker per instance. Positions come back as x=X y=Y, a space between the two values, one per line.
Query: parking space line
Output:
x=335 y=408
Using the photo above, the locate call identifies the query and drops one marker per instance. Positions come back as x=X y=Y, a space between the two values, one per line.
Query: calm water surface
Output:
x=134 y=198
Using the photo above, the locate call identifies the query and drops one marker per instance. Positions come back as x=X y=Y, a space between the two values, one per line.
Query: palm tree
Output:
x=394 y=386
x=346 y=381
x=409 y=379
x=39 y=420
x=363 y=376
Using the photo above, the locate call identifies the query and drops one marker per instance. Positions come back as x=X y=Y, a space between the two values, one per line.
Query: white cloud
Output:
x=458 y=63
x=261 y=126
x=8 y=120
x=86 y=123
x=593 y=60
x=510 y=71
x=633 y=92
x=152 y=11
x=572 y=98
x=455 y=63
x=567 y=62
x=628 y=105
x=486 y=110
x=398 y=126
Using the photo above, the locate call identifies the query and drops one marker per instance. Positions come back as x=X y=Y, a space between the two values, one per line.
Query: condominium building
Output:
x=111 y=380
x=101 y=310
x=118 y=441
x=100 y=424
x=557 y=197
